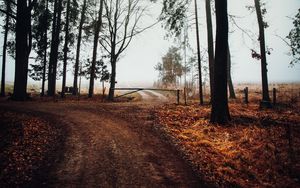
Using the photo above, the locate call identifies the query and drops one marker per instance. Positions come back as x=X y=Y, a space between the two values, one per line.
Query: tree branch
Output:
x=9 y=14
x=283 y=40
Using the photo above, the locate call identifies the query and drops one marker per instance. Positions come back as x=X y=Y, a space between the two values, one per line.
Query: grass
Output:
x=9 y=88
x=259 y=148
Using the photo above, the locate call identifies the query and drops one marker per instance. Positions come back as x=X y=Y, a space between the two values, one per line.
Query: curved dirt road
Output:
x=110 y=145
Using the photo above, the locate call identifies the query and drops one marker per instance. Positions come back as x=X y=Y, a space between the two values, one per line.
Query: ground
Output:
x=106 y=145
x=258 y=148
x=149 y=142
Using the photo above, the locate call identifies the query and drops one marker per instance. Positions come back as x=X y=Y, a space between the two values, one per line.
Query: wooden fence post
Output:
x=185 y=96
x=178 y=96
x=274 y=96
x=246 y=91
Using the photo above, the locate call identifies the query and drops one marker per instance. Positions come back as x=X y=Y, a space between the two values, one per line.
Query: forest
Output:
x=196 y=126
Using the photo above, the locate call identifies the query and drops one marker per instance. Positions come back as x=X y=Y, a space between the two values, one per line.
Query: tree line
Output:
x=174 y=15
x=52 y=33
x=56 y=29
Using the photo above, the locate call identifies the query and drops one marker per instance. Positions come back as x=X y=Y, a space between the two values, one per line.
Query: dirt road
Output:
x=110 y=145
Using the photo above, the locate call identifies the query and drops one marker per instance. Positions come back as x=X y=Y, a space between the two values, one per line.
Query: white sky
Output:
x=136 y=67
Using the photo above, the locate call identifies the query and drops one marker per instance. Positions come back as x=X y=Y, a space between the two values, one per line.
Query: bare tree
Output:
x=264 y=72
x=122 y=19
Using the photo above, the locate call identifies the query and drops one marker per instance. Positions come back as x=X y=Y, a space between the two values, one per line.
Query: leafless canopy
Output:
x=121 y=21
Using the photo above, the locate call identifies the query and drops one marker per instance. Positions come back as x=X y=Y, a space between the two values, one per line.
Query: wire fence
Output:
x=281 y=94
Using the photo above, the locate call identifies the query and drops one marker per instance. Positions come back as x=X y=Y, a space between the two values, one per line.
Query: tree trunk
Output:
x=112 y=78
x=22 y=50
x=210 y=47
x=229 y=79
x=4 y=50
x=199 y=55
x=54 y=48
x=52 y=55
x=96 y=40
x=266 y=102
x=82 y=20
x=45 y=52
x=66 y=49
x=220 y=111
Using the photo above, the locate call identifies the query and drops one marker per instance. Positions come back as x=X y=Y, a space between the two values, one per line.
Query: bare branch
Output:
x=104 y=46
x=246 y=32
x=9 y=14
x=286 y=42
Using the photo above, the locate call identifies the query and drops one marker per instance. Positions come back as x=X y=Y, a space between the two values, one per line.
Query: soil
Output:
x=108 y=145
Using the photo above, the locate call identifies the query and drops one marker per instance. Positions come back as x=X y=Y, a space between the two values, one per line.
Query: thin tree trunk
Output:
x=82 y=20
x=229 y=79
x=96 y=40
x=199 y=56
x=45 y=52
x=66 y=49
x=220 y=111
x=112 y=78
x=79 y=88
x=4 y=50
x=22 y=50
x=54 y=48
x=210 y=43
x=265 y=88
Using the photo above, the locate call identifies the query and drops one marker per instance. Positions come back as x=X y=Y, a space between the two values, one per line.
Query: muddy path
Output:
x=110 y=145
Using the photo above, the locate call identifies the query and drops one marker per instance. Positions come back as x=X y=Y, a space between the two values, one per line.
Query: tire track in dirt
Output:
x=102 y=149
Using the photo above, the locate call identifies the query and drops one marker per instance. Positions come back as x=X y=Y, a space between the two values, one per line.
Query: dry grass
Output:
x=252 y=151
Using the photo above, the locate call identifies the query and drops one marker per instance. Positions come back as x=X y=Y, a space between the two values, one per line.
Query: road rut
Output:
x=111 y=145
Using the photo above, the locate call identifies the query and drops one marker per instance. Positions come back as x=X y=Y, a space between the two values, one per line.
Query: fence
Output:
x=280 y=95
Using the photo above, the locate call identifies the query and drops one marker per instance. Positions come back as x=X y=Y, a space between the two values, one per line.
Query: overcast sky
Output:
x=136 y=67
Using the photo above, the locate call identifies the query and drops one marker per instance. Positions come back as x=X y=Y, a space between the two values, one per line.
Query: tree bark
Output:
x=66 y=49
x=82 y=20
x=54 y=48
x=96 y=40
x=45 y=51
x=23 y=29
x=265 y=88
x=220 y=111
x=112 y=79
x=229 y=79
x=8 y=9
x=199 y=55
x=210 y=43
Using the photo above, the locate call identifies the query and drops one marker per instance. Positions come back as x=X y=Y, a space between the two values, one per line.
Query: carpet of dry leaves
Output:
x=27 y=144
x=259 y=148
